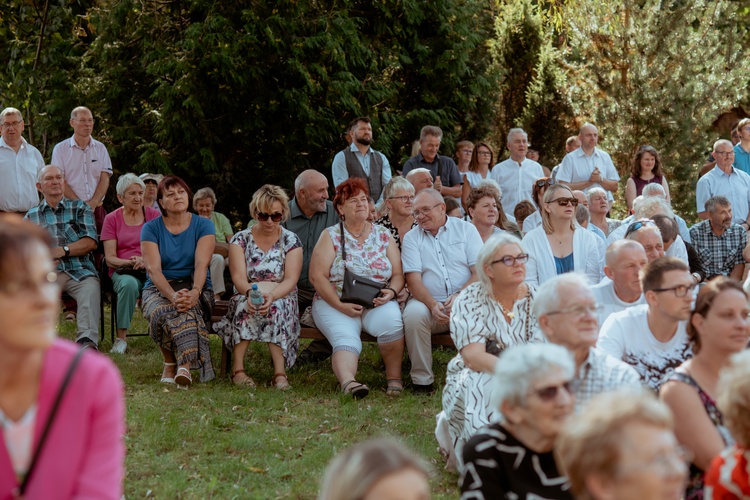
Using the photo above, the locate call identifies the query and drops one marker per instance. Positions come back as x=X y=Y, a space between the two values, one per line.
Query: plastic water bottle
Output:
x=256 y=298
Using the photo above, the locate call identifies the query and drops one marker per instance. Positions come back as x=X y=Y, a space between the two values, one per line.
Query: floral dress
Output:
x=281 y=325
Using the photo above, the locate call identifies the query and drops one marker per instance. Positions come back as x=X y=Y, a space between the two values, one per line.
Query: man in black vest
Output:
x=360 y=160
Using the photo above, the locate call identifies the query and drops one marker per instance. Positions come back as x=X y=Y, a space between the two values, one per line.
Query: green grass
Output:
x=220 y=441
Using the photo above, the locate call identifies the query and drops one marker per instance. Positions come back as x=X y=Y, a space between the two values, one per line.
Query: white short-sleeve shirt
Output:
x=18 y=175
x=577 y=166
x=516 y=180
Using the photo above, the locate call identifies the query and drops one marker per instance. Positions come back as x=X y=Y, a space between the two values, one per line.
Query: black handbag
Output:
x=356 y=289
x=139 y=274
x=206 y=299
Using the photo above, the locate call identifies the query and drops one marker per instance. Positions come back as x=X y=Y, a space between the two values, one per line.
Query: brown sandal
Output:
x=245 y=381
x=281 y=382
x=395 y=387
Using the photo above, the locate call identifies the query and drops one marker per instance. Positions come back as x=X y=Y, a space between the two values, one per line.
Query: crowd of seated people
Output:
x=645 y=304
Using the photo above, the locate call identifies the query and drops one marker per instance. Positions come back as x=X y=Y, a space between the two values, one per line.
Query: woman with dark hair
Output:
x=719 y=328
x=177 y=249
x=537 y=193
x=83 y=454
x=371 y=253
x=479 y=169
x=645 y=169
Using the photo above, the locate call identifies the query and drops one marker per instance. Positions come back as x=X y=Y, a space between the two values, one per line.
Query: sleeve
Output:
x=291 y=241
x=702 y=193
x=467 y=322
x=204 y=227
x=565 y=173
x=225 y=225
x=610 y=337
x=408 y=166
x=240 y=239
x=482 y=476
x=106 y=165
x=150 y=232
x=86 y=222
x=103 y=468
x=455 y=175
x=739 y=259
x=611 y=173
x=109 y=228
x=411 y=259
x=473 y=244
x=338 y=169
x=387 y=172
x=56 y=156
x=532 y=272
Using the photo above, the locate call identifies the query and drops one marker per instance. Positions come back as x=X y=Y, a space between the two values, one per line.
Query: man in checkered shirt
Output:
x=719 y=241
x=567 y=314
x=71 y=224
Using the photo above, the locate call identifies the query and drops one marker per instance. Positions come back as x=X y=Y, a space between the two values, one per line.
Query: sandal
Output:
x=395 y=387
x=242 y=381
x=358 y=391
x=281 y=382
x=183 y=378
x=167 y=380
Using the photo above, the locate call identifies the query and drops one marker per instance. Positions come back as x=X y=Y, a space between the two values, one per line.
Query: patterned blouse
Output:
x=385 y=221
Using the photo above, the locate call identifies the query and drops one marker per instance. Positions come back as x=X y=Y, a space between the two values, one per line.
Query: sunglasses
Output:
x=563 y=202
x=635 y=226
x=276 y=216
x=544 y=182
x=549 y=393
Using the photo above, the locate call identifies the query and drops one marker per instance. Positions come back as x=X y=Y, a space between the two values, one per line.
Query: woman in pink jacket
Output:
x=83 y=453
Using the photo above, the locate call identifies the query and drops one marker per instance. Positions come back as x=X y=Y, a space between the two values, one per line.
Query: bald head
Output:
x=581 y=197
x=307 y=178
x=429 y=194
x=619 y=247
x=311 y=192
x=589 y=137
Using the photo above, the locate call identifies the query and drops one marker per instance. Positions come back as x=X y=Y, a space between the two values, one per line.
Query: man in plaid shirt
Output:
x=71 y=224
x=718 y=241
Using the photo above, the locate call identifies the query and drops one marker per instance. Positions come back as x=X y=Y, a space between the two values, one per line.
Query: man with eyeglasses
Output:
x=652 y=338
x=85 y=163
x=719 y=241
x=438 y=259
x=589 y=166
x=360 y=160
x=20 y=162
x=567 y=314
x=443 y=169
x=517 y=174
x=725 y=180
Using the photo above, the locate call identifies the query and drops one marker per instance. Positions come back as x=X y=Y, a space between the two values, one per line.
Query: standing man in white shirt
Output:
x=589 y=166
x=653 y=338
x=20 y=163
x=625 y=259
x=438 y=259
x=517 y=174
x=85 y=163
x=360 y=160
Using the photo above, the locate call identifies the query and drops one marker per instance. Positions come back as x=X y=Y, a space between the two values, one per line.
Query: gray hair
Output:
x=431 y=130
x=549 y=294
x=355 y=470
x=395 y=185
x=653 y=189
x=723 y=141
x=596 y=190
x=204 y=193
x=487 y=253
x=10 y=111
x=583 y=216
x=717 y=200
x=420 y=170
x=74 y=113
x=648 y=207
x=492 y=184
x=515 y=131
x=520 y=365
x=42 y=170
x=127 y=180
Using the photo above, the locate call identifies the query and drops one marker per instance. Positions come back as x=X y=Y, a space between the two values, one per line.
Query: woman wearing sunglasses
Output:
x=269 y=256
x=560 y=245
x=515 y=459
x=488 y=317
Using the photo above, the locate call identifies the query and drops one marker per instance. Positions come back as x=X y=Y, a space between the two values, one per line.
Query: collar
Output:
x=73 y=144
x=422 y=159
x=581 y=153
x=3 y=144
x=586 y=366
x=718 y=171
x=45 y=204
x=444 y=227
x=354 y=149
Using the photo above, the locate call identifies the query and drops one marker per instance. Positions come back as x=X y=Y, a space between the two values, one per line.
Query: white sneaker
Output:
x=119 y=346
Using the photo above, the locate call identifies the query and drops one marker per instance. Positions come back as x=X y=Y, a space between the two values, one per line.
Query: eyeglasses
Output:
x=550 y=392
x=402 y=198
x=151 y=181
x=509 y=260
x=543 y=182
x=635 y=226
x=90 y=121
x=466 y=151
x=563 y=202
x=29 y=287
x=723 y=153
x=484 y=153
x=679 y=290
x=421 y=213
x=12 y=125
x=580 y=311
x=276 y=216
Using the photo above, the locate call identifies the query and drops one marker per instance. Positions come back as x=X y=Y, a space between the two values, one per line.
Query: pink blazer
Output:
x=84 y=454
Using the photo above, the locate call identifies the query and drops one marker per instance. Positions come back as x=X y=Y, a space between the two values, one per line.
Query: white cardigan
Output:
x=587 y=257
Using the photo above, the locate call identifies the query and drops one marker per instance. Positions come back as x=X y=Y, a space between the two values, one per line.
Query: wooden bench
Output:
x=221 y=307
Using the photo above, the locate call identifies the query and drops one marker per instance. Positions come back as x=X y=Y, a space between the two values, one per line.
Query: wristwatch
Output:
x=66 y=249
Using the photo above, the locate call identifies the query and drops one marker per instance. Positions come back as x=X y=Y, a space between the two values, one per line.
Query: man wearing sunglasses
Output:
x=725 y=180
x=517 y=174
x=20 y=162
x=652 y=338
x=719 y=241
x=567 y=313
x=589 y=166
x=360 y=160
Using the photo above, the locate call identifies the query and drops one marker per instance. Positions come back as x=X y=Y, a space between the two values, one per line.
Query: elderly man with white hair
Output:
x=567 y=313
x=517 y=174
x=725 y=180
x=588 y=166
x=420 y=178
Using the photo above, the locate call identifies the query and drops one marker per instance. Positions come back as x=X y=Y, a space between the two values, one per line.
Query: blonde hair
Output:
x=591 y=443
x=548 y=194
x=733 y=397
x=264 y=197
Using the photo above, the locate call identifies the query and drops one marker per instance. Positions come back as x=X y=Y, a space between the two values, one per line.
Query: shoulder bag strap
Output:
x=50 y=420
x=343 y=243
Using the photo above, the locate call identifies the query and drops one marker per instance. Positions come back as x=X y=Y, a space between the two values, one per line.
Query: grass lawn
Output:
x=220 y=441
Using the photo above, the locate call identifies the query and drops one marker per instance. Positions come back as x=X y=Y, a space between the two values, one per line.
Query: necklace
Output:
x=508 y=314
x=357 y=236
